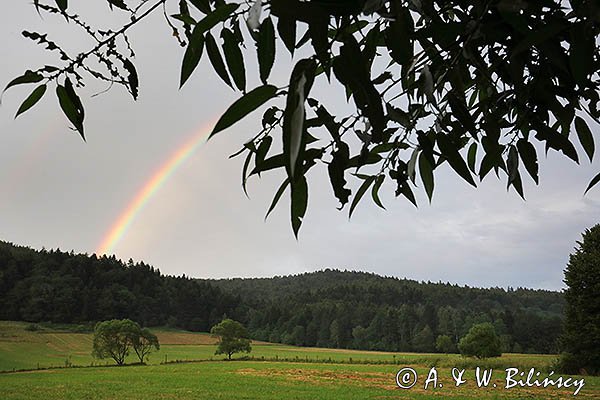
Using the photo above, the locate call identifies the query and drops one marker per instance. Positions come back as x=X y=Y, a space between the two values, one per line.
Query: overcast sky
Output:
x=58 y=191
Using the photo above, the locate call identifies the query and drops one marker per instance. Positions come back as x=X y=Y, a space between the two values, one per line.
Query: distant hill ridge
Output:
x=328 y=308
x=327 y=279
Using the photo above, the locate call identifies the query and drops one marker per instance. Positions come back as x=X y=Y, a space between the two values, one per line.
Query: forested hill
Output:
x=333 y=283
x=347 y=309
x=55 y=286
x=328 y=308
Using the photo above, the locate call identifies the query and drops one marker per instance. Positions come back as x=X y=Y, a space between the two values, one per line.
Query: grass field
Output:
x=324 y=376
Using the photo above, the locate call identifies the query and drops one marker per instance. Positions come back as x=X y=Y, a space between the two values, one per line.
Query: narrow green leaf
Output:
x=278 y=195
x=277 y=161
x=486 y=166
x=294 y=117
x=317 y=30
x=398 y=37
x=188 y=21
x=243 y=106
x=262 y=150
x=529 y=156
x=450 y=152
x=71 y=106
x=192 y=55
x=556 y=141
x=299 y=204
x=360 y=193
x=216 y=60
x=375 y=191
x=412 y=165
x=364 y=177
x=266 y=49
x=336 y=170
x=408 y=193
x=364 y=159
x=385 y=76
x=593 y=183
x=201 y=5
x=286 y=27
x=462 y=114
x=245 y=171
x=351 y=68
x=50 y=68
x=133 y=79
x=426 y=172
x=27 y=77
x=117 y=3
x=32 y=99
x=63 y=4
x=237 y=153
x=517 y=183
x=512 y=164
x=185 y=18
x=585 y=137
x=219 y=15
x=387 y=147
x=472 y=157
x=234 y=59
x=329 y=122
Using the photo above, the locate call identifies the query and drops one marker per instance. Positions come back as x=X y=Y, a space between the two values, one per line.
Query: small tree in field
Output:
x=114 y=338
x=144 y=343
x=233 y=338
x=481 y=342
x=444 y=344
x=581 y=337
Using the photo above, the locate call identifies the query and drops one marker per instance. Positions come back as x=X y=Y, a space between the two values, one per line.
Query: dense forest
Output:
x=55 y=286
x=329 y=308
x=360 y=310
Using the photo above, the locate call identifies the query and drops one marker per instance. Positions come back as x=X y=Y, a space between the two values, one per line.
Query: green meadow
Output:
x=272 y=371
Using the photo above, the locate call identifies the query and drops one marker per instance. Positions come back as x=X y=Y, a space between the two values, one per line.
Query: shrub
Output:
x=481 y=342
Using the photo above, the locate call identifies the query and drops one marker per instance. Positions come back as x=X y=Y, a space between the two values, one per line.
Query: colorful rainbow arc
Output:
x=122 y=224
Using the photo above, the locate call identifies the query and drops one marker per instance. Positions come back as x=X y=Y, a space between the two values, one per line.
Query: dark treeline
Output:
x=359 y=310
x=55 y=286
x=329 y=308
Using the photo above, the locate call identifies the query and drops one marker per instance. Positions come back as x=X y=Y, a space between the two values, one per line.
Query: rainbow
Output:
x=152 y=185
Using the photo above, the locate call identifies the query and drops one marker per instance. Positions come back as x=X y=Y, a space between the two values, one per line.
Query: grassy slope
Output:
x=253 y=380
x=21 y=349
x=238 y=379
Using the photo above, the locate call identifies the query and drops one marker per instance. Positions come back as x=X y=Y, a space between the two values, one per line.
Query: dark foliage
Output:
x=481 y=341
x=329 y=308
x=233 y=338
x=64 y=287
x=332 y=308
x=473 y=86
x=581 y=339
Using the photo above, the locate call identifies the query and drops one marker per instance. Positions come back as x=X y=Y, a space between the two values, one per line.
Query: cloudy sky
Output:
x=58 y=191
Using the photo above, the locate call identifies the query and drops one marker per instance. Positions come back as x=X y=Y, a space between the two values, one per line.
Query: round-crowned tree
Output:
x=444 y=344
x=581 y=337
x=114 y=338
x=144 y=343
x=481 y=341
x=233 y=338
